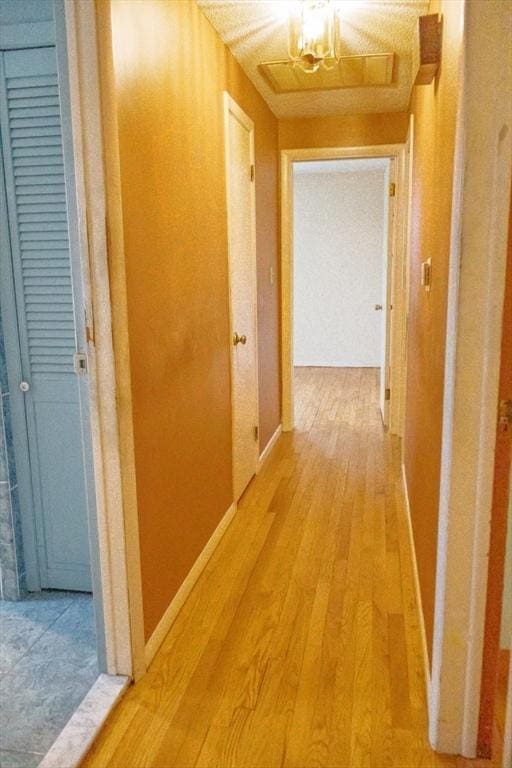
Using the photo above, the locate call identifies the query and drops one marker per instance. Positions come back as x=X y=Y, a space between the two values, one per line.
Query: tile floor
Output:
x=47 y=665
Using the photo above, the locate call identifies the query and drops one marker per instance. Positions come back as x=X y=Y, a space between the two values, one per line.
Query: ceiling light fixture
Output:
x=313 y=36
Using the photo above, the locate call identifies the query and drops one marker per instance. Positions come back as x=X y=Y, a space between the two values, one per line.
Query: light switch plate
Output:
x=426 y=274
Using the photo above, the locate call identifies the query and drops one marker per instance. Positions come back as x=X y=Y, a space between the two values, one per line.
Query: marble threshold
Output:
x=78 y=735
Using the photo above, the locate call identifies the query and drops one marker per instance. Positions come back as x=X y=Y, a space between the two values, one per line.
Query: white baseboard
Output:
x=167 y=620
x=268 y=448
x=335 y=364
x=417 y=588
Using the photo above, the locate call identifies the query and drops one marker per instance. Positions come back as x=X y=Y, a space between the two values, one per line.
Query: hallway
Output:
x=299 y=645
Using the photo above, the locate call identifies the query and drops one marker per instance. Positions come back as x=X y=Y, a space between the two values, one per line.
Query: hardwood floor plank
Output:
x=299 y=646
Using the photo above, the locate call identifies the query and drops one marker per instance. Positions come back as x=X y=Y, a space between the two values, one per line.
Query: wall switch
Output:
x=426 y=274
x=271 y=274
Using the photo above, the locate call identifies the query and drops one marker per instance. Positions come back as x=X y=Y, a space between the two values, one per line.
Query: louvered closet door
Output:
x=38 y=226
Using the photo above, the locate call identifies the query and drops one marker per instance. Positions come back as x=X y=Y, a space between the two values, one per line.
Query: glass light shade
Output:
x=311 y=38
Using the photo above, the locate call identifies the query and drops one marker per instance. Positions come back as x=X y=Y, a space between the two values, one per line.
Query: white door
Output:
x=38 y=307
x=239 y=138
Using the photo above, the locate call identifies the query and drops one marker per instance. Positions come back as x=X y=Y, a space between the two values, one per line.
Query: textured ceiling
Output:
x=342 y=166
x=256 y=31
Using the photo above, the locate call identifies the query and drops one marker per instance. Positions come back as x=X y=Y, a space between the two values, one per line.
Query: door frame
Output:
x=41 y=35
x=397 y=252
x=231 y=107
x=86 y=26
x=114 y=540
x=476 y=287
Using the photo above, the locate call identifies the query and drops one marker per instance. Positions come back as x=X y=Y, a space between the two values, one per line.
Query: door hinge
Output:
x=256 y=433
x=392 y=189
x=253 y=172
x=504 y=415
x=387 y=394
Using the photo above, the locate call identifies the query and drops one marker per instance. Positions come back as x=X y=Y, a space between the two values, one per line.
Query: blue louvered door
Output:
x=37 y=213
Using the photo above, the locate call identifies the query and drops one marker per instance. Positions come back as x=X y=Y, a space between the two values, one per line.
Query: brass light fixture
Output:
x=313 y=36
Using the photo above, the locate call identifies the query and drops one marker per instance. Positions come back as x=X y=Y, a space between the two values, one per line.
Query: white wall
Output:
x=339 y=217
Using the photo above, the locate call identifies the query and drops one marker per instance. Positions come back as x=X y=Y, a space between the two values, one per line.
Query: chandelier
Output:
x=313 y=35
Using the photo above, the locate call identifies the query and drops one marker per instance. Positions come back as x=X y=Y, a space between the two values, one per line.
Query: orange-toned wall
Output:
x=434 y=108
x=344 y=131
x=170 y=70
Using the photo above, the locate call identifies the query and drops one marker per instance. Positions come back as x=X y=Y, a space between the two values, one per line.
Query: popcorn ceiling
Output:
x=256 y=31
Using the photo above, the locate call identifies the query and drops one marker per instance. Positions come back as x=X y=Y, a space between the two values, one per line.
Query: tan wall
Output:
x=345 y=131
x=170 y=70
x=434 y=108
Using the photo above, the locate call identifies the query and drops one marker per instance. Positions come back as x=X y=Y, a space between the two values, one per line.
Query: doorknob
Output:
x=239 y=339
x=378 y=307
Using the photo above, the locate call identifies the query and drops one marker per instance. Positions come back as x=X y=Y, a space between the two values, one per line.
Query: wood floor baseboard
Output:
x=417 y=589
x=170 y=615
x=269 y=447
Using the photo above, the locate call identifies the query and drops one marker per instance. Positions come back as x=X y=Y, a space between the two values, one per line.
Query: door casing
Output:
x=395 y=284
x=476 y=289
x=87 y=29
x=83 y=30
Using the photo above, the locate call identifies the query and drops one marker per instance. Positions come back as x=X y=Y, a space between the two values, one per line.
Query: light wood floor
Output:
x=300 y=644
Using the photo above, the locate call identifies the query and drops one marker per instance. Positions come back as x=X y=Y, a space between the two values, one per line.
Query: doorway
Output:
x=52 y=624
x=340 y=214
x=342 y=271
x=44 y=334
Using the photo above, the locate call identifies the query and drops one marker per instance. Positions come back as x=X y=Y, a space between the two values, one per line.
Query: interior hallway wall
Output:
x=344 y=131
x=435 y=109
x=171 y=68
x=338 y=263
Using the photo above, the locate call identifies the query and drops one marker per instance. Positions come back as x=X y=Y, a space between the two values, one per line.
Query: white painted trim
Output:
x=265 y=454
x=116 y=512
x=231 y=107
x=401 y=273
x=389 y=263
x=479 y=228
x=417 y=588
x=80 y=732
x=171 y=614
x=338 y=153
x=288 y=157
x=336 y=364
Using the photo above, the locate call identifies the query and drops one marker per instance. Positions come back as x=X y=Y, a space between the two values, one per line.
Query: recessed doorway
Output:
x=344 y=243
x=51 y=614
x=340 y=265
